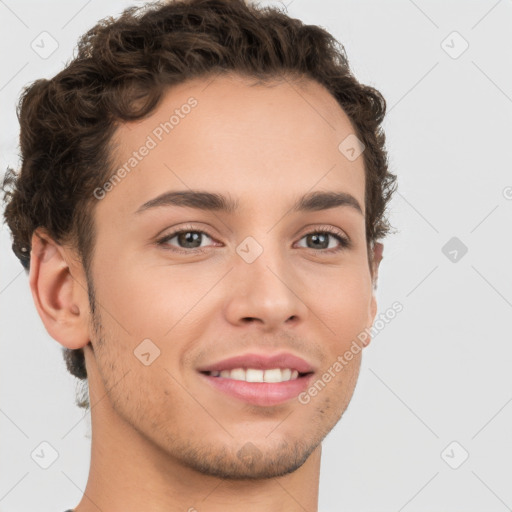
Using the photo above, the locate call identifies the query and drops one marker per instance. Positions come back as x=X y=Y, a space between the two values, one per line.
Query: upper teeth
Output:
x=255 y=375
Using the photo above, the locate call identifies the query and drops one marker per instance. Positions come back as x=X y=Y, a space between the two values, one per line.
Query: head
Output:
x=230 y=100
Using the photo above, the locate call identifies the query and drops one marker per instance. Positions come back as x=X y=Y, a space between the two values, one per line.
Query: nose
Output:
x=266 y=292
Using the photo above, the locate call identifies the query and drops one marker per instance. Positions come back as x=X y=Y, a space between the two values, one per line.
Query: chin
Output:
x=249 y=462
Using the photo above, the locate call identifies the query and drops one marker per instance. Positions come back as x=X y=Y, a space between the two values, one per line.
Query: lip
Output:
x=261 y=362
x=264 y=394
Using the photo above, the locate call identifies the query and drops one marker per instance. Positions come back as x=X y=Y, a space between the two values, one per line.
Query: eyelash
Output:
x=345 y=243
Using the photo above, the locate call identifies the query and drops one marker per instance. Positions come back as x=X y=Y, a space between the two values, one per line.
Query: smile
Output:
x=259 y=379
x=257 y=375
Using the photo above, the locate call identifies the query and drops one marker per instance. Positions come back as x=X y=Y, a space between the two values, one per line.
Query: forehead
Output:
x=256 y=142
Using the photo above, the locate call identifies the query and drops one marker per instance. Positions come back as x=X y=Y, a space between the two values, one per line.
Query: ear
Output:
x=60 y=300
x=378 y=249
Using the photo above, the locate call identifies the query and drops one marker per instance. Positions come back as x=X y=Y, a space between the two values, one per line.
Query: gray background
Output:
x=440 y=371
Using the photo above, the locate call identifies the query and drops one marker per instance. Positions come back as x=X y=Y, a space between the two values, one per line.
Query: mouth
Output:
x=273 y=375
x=260 y=380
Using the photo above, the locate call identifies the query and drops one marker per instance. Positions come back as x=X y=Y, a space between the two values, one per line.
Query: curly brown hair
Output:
x=120 y=72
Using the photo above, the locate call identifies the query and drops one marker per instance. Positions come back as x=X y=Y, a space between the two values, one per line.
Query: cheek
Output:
x=342 y=302
x=159 y=303
x=144 y=301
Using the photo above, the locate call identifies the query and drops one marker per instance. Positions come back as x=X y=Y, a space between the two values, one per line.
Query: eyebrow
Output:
x=210 y=201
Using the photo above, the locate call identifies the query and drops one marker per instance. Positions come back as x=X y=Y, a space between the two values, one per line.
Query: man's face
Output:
x=269 y=280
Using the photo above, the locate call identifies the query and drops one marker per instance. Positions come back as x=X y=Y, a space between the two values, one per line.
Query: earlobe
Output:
x=58 y=297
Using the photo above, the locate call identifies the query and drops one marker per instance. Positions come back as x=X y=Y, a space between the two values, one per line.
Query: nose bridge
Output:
x=262 y=256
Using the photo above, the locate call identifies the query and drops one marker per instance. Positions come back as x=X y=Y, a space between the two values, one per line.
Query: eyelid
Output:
x=183 y=229
x=344 y=241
